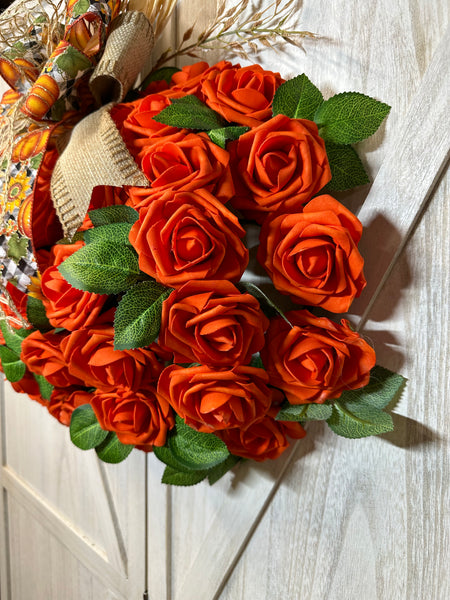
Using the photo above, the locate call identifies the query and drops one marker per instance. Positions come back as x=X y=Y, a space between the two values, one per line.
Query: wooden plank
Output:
x=242 y=517
x=368 y=519
x=83 y=549
x=5 y=574
x=159 y=513
x=410 y=171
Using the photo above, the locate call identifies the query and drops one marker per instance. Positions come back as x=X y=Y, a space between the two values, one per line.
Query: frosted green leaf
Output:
x=222 y=135
x=114 y=232
x=297 y=98
x=191 y=113
x=347 y=170
x=111 y=450
x=353 y=420
x=195 y=450
x=14 y=337
x=173 y=477
x=36 y=314
x=85 y=431
x=138 y=316
x=13 y=367
x=113 y=214
x=383 y=387
x=165 y=455
x=350 y=117
x=102 y=268
x=304 y=412
x=45 y=388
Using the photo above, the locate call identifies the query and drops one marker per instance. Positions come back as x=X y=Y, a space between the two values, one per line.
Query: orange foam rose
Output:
x=242 y=95
x=316 y=359
x=313 y=257
x=278 y=166
x=138 y=417
x=189 y=235
x=212 y=323
x=265 y=439
x=214 y=399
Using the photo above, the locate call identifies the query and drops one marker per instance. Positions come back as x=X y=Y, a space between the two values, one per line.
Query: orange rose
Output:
x=138 y=417
x=189 y=235
x=264 y=439
x=209 y=400
x=187 y=162
x=42 y=354
x=66 y=306
x=91 y=357
x=242 y=95
x=212 y=323
x=189 y=80
x=312 y=256
x=64 y=401
x=137 y=126
x=279 y=166
x=317 y=359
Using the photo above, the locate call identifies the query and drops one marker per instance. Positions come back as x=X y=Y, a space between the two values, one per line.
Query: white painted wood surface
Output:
x=346 y=520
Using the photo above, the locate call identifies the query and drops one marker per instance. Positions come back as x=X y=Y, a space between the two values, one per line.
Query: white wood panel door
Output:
x=342 y=519
x=335 y=519
x=73 y=528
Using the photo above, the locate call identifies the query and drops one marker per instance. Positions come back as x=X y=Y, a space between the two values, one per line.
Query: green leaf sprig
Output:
x=191 y=456
x=343 y=119
x=357 y=413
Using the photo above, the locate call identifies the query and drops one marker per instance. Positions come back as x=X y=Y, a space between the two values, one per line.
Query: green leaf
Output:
x=350 y=117
x=383 y=387
x=114 y=232
x=173 y=477
x=256 y=361
x=195 y=450
x=165 y=455
x=164 y=74
x=304 y=412
x=353 y=420
x=80 y=8
x=297 y=98
x=113 y=214
x=347 y=170
x=138 y=316
x=111 y=450
x=72 y=61
x=191 y=113
x=17 y=247
x=85 y=431
x=45 y=387
x=36 y=314
x=267 y=305
x=221 y=469
x=102 y=268
x=220 y=136
x=35 y=161
x=14 y=337
x=13 y=367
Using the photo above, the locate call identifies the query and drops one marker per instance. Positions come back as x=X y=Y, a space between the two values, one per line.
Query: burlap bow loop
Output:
x=96 y=154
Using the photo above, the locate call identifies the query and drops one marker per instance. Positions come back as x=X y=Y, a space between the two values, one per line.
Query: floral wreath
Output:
x=145 y=329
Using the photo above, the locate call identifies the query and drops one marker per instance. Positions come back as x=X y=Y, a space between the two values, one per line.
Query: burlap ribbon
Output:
x=96 y=154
